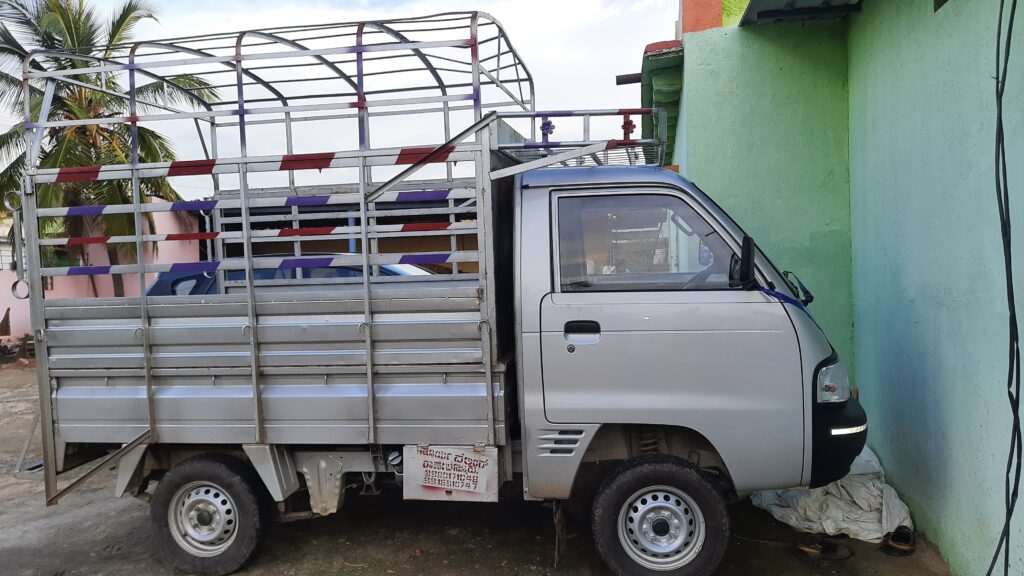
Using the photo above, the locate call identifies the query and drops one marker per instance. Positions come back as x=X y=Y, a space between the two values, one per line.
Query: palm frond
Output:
x=10 y=176
x=179 y=91
x=13 y=52
x=123 y=21
x=12 y=144
x=23 y=18
x=12 y=94
x=154 y=147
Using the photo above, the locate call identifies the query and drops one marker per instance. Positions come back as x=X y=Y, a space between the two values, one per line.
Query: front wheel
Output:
x=207 y=515
x=658 y=515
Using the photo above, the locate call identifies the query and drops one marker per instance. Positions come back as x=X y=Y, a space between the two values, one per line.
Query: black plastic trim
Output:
x=831 y=456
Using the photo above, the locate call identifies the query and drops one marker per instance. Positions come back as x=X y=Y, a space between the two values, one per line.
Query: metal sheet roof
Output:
x=759 y=11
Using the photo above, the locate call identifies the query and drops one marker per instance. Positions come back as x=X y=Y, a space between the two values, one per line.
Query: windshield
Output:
x=762 y=258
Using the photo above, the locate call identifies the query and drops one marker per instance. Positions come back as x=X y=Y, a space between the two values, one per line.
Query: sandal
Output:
x=899 y=542
x=816 y=549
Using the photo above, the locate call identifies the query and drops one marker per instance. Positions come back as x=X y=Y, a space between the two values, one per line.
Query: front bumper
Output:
x=838 y=436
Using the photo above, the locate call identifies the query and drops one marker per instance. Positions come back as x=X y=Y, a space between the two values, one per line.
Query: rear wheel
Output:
x=658 y=515
x=206 y=513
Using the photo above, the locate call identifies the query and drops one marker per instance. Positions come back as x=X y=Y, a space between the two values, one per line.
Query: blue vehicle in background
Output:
x=199 y=283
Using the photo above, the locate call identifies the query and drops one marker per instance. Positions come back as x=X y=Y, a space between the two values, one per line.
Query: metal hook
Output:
x=14 y=288
x=10 y=205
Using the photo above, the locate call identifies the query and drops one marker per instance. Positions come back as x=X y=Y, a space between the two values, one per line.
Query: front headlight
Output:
x=833 y=384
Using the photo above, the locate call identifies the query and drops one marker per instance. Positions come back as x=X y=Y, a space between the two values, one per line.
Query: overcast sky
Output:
x=574 y=48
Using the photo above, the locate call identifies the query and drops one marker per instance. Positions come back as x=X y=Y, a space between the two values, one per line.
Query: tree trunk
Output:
x=117 y=279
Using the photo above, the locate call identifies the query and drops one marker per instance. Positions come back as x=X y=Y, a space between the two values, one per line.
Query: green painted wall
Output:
x=927 y=261
x=860 y=155
x=765 y=113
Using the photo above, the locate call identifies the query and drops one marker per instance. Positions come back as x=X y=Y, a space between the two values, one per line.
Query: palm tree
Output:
x=74 y=26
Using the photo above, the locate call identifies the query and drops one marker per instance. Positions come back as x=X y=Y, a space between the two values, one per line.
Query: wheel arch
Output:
x=613 y=444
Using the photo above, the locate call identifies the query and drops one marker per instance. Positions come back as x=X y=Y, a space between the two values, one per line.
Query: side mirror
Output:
x=741 y=272
x=747 y=280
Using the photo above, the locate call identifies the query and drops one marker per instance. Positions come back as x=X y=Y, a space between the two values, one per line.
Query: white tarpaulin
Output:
x=861 y=505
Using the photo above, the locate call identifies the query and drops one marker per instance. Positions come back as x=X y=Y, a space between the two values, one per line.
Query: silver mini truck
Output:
x=404 y=275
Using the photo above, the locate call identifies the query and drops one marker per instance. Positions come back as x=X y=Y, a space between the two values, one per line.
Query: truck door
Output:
x=644 y=326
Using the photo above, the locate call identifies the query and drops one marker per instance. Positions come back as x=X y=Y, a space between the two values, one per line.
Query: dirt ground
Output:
x=92 y=533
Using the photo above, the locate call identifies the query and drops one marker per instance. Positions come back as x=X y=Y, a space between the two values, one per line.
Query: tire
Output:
x=660 y=496
x=220 y=520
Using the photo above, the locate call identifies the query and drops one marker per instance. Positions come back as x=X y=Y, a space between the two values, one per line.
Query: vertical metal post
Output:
x=35 y=283
x=18 y=258
x=289 y=149
x=364 y=242
x=474 y=51
x=140 y=253
x=218 y=242
x=214 y=153
x=46 y=386
x=483 y=219
x=484 y=225
x=252 y=328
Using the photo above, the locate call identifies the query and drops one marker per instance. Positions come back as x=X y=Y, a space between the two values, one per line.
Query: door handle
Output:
x=582 y=327
x=581 y=333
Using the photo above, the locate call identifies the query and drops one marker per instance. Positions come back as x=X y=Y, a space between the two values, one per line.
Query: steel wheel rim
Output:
x=661 y=528
x=203 y=519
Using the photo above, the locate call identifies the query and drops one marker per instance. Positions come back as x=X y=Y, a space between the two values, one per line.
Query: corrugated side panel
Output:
x=429 y=384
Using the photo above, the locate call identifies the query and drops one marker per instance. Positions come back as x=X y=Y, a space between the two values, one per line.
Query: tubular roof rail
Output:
x=427 y=54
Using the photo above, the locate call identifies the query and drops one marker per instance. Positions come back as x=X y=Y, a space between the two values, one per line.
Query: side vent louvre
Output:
x=559 y=442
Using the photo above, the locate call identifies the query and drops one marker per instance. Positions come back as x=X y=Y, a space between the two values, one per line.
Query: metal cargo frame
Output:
x=352 y=361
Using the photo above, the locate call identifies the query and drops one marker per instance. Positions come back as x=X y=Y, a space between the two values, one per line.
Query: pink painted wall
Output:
x=161 y=252
x=96 y=254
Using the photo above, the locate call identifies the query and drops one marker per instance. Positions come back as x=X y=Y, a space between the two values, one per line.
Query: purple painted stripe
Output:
x=438 y=258
x=208 y=266
x=307 y=201
x=88 y=270
x=422 y=196
x=555 y=113
x=193 y=205
x=306 y=263
x=541 y=144
x=85 y=210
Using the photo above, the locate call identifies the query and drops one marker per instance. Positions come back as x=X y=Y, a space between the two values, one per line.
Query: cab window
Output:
x=637 y=242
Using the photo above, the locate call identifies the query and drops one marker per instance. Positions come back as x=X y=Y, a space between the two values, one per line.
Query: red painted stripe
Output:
x=193 y=236
x=316 y=231
x=88 y=240
x=78 y=174
x=612 y=144
x=425 y=226
x=416 y=155
x=317 y=161
x=191 y=167
x=635 y=110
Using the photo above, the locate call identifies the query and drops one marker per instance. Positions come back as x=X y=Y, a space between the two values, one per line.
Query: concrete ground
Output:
x=92 y=533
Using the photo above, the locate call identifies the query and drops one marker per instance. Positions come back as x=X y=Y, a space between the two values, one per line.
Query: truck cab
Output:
x=638 y=339
x=632 y=314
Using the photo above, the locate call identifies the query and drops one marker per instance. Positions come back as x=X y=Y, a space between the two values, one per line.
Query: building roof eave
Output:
x=765 y=11
x=661 y=86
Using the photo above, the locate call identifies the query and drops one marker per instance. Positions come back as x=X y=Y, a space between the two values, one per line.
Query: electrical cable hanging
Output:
x=1013 y=383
